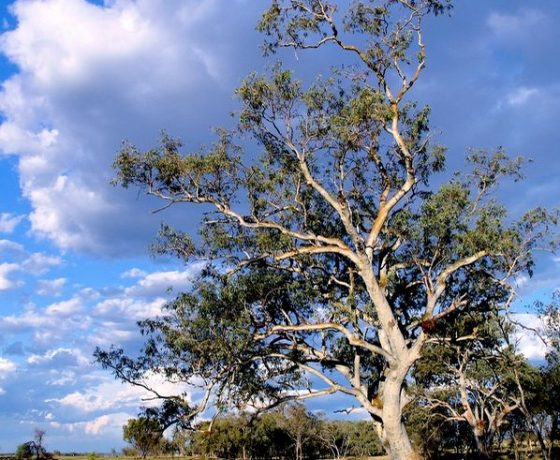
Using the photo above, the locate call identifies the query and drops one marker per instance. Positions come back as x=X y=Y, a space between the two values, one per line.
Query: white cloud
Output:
x=522 y=280
x=104 y=424
x=521 y=96
x=134 y=273
x=529 y=343
x=95 y=426
x=516 y=25
x=7 y=246
x=159 y=282
x=25 y=321
x=6 y=367
x=9 y=222
x=50 y=287
x=110 y=395
x=129 y=308
x=16 y=260
x=5 y=270
x=59 y=358
x=39 y=263
x=65 y=308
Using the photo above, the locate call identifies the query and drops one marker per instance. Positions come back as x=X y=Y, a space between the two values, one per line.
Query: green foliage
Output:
x=144 y=434
x=275 y=434
x=24 y=451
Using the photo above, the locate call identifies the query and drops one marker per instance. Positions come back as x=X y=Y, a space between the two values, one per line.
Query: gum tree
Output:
x=331 y=258
x=144 y=434
x=474 y=380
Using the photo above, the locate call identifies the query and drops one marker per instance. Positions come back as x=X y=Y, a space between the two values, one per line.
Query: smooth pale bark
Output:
x=480 y=444
x=392 y=431
x=394 y=436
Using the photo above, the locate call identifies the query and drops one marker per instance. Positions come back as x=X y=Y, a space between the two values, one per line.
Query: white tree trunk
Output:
x=394 y=436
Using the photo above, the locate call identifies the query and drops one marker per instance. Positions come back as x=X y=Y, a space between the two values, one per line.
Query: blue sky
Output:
x=80 y=77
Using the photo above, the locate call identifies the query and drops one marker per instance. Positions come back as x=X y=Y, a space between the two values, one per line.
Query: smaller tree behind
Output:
x=24 y=451
x=144 y=434
x=301 y=426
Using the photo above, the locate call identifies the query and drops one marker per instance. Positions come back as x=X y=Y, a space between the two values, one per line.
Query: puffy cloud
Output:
x=50 y=287
x=529 y=342
x=90 y=76
x=109 y=394
x=156 y=283
x=521 y=96
x=516 y=25
x=10 y=247
x=6 y=367
x=22 y=263
x=129 y=308
x=134 y=273
x=39 y=263
x=5 y=270
x=8 y=222
x=59 y=358
x=104 y=424
x=112 y=421
x=65 y=308
x=28 y=320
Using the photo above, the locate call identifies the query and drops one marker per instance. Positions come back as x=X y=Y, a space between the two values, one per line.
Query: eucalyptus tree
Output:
x=144 y=434
x=331 y=257
x=475 y=380
x=540 y=394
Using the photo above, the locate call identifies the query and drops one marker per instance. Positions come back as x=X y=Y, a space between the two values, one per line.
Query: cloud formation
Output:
x=9 y=222
x=51 y=347
x=125 y=70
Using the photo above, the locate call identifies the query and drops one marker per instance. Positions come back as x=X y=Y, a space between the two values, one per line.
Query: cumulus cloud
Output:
x=59 y=358
x=65 y=308
x=6 y=367
x=521 y=96
x=20 y=262
x=156 y=283
x=112 y=421
x=8 y=247
x=5 y=270
x=134 y=273
x=39 y=263
x=59 y=340
x=516 y=25
x=9 y=222
x=90 y=76
x=129 y=308
x=529 y=342
x=110 y=394
x=50 y=287
x=104 y=424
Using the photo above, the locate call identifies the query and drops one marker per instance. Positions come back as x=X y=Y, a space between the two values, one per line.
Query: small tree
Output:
x=473 y=380
x=39 y=435
x=301 y=426
x=540 y=394
x=144 y=434
x=24 y=451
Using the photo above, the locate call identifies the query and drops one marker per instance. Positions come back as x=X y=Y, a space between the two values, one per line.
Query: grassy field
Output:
x=121 y=457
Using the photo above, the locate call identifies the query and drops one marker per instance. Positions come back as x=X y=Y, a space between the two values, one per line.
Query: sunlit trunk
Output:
x=394 y=436
x=481 y=444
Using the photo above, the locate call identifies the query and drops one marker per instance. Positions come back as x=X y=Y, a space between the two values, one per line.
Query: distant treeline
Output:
x=287 y=433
